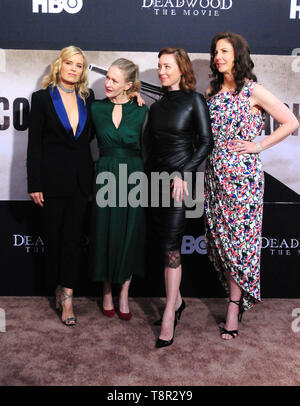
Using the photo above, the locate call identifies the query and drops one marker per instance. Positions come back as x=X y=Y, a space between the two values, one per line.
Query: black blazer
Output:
x=56 y=161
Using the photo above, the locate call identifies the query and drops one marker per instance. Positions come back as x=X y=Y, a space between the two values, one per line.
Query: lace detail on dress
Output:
x=172 y=259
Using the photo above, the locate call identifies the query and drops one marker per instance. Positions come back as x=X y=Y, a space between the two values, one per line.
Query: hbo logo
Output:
x=57 y=6
x=190 y=245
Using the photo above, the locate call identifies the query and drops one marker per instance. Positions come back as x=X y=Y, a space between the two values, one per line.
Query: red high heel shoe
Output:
x=108 y=313
x=125 y=316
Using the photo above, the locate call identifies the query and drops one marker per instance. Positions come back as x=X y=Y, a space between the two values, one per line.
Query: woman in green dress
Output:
x=118 y=238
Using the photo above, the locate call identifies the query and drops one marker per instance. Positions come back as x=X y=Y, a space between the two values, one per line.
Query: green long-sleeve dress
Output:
x=118 y=233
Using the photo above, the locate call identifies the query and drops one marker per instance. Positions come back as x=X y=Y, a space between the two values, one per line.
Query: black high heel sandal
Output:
x=233 y=333
x=177 y=313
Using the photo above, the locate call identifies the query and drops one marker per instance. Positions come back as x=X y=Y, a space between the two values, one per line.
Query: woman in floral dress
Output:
x=234 y=179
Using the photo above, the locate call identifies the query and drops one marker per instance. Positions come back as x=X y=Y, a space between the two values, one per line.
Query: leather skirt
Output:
x=168 y=223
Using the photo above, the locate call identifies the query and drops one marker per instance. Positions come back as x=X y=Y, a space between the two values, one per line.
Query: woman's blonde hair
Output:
x=131 y=72
x=53 y=77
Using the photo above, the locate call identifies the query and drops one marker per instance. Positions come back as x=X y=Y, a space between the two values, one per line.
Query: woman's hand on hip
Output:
x=244 y=147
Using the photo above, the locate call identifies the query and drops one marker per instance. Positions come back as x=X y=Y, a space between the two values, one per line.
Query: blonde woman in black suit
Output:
x=60 y=169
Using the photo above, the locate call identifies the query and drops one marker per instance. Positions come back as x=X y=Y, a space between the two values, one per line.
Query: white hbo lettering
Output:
x=296 y=322
x=190 y=245
x=57 y=6
x=295 y=8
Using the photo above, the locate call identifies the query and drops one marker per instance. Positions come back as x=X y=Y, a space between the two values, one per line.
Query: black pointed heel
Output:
x=165 y=343
x=177 y=314
x=180 y=310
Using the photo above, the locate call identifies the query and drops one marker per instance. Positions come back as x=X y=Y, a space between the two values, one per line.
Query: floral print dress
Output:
x=234 y=194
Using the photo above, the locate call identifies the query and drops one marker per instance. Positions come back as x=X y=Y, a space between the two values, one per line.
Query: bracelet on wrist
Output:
x=258 y=147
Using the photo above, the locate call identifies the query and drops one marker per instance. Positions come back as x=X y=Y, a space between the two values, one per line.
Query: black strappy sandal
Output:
x=233 y=333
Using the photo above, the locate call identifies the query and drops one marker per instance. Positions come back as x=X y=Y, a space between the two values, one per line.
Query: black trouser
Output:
x=64 y=219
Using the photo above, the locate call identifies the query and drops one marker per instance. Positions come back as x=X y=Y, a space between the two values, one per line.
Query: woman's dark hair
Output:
x=188 y=80
x=243 y=64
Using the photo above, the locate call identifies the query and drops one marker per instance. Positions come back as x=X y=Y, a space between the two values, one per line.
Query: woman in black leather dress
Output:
x=180 y=139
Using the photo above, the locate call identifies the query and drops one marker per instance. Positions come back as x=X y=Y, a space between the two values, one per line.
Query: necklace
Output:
x=65 y=89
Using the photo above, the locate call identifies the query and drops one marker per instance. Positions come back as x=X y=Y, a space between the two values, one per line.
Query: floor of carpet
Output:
x=38 y=350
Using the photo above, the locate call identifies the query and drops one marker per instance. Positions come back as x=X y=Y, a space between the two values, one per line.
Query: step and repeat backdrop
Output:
x=31 y=34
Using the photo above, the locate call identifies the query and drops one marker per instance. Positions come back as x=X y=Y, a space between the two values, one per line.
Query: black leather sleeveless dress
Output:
x=179 y=139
